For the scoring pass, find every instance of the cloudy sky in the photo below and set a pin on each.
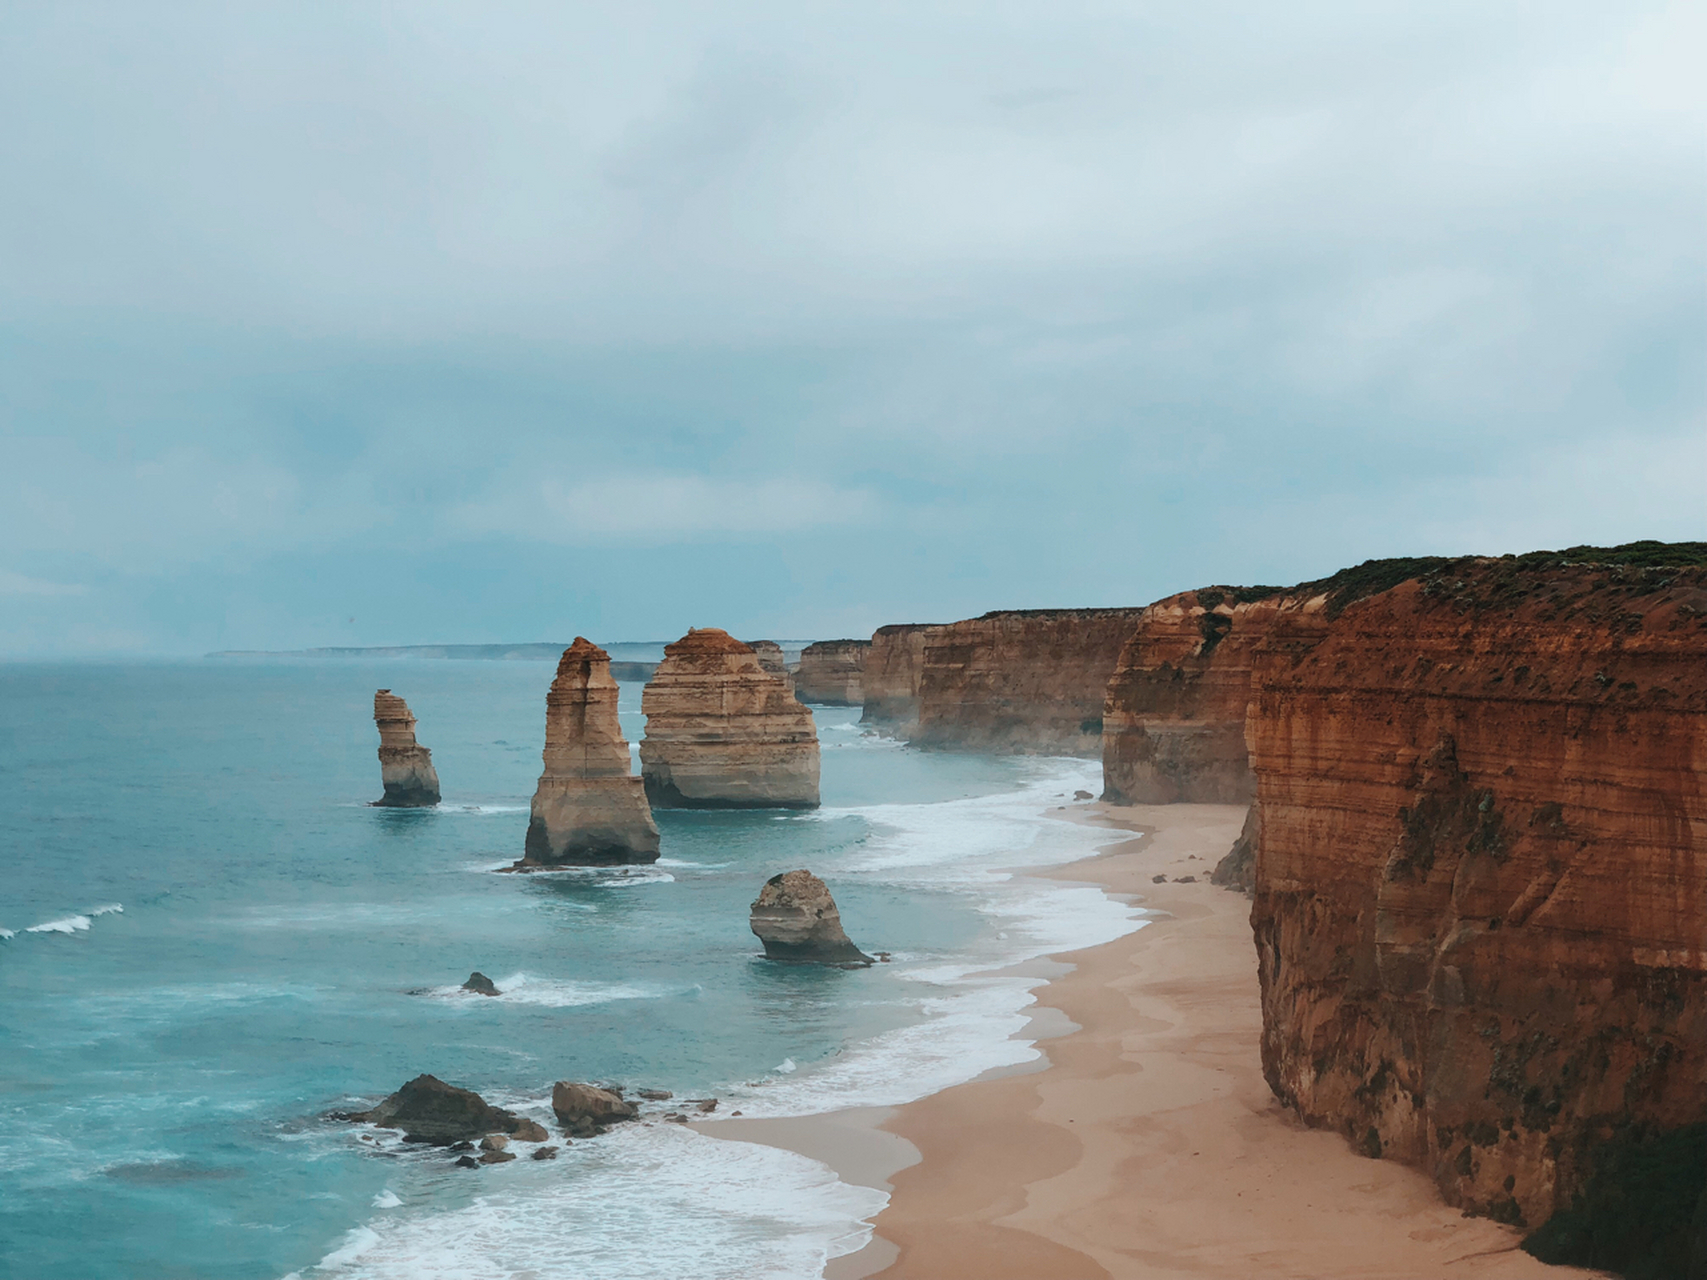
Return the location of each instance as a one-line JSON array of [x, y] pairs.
[[372, 323]]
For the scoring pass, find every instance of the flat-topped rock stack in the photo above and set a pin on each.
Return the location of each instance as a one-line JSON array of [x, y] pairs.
[[831, 673], [723, 732], [406, 767], [589, 809]]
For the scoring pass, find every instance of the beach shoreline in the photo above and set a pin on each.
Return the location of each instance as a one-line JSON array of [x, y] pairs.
[[1145, 1142]]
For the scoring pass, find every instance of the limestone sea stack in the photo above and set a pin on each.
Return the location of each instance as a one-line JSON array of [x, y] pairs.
[[589, 809], [406, 767], [770, 656], [722, 732], [797, 920], [830, 673]]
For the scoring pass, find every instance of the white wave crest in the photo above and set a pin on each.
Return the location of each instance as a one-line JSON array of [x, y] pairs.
[[551, 993], [65, 924]]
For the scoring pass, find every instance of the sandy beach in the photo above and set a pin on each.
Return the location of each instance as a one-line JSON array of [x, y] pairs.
[[1149, 1144]]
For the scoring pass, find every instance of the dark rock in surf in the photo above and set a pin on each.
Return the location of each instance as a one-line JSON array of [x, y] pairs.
[[585, 1110], [480, 984], [429, 1110], [797, 920]]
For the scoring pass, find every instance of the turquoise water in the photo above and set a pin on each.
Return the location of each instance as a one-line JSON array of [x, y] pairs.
[[215, 941]]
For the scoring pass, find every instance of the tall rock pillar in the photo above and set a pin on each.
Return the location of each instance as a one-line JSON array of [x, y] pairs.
[[406, 767], [589, 810]]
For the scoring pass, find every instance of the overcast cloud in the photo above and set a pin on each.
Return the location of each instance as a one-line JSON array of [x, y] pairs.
[[386, 323]]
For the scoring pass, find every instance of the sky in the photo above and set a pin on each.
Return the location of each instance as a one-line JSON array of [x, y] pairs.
[[372, 323]]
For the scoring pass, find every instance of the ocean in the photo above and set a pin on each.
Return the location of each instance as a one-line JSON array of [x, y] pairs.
[[209, 939]]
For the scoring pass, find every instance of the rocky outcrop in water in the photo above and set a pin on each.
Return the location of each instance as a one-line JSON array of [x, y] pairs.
[[585, 1110], [1027, 681], [831, 671], [406, 767], [797, 920], [589, 808], [1173, 719], [1481, 881], [889, 684], [722, 732], [429, 1110]]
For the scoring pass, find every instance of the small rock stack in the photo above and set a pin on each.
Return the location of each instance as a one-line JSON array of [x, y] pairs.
[[589, 808], [723, 732], [406, 767], [797, 920]]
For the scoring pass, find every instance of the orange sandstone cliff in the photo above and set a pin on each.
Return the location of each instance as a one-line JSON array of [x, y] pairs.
[[889, 683], [1481, 878], [1030, 681], [1173, 718], [589, 807], [724, 732]]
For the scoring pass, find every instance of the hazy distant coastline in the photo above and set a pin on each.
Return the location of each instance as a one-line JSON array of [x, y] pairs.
[[543, 651]]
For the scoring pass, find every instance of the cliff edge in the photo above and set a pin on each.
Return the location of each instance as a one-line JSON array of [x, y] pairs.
[[1481, 879]]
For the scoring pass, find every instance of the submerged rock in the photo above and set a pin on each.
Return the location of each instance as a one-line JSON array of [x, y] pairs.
[[406, 767], [585, 1110], [797, 920], [429, 1110], [723, 732], [589, 808], [480, 984]]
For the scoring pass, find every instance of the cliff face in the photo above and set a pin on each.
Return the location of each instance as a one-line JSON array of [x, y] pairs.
[[589, 808], [830, 672], [722, 732], [1481, 886], [894, 665], [1173, 720], [406, 767], [1028, 681]]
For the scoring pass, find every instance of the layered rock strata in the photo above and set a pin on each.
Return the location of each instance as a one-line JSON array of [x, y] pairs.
[[796, 918], [589, 809], [406, 767], [723, 732], [1173, 717], [1026, 681], [830, 673], [889, 683], [1481, 881]]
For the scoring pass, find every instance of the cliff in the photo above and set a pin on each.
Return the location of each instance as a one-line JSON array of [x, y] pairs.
[[1173, 717], [1481, 876], [589, 809], [830, 672], [1030, 681], [723, 732], [405, 766], [894, 664]]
